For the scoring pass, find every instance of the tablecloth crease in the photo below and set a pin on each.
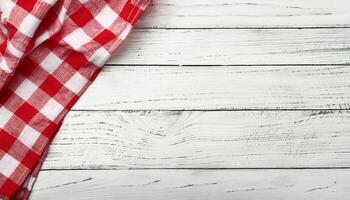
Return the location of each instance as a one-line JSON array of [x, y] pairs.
[[50, 52]]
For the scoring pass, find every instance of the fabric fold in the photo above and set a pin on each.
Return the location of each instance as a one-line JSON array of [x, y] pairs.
[[24, 26], [51, 51]]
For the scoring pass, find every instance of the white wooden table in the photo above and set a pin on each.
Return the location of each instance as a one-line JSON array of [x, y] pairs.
[[224, 99]]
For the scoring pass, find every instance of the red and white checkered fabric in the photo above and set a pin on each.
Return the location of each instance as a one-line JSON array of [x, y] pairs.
[[50, 52]]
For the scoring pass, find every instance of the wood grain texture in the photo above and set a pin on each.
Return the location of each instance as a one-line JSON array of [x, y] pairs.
[[235, 46], [199, 139], [246, 13], [214, 87], [181, 154], [193, 184]]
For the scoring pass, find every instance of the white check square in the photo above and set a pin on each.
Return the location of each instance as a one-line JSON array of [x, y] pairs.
[[8, 165], [51, 2], [6, 7], [4, 66], [52, 109], [51, 62], [29, 25], [13, 50], [5, 116], [106, 17], [83, 1], [76, 83], [44, 36], [100, 57], [28, 136], [26, 89], [77, 38]]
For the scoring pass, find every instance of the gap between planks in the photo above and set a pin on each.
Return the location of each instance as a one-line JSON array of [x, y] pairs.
[[203, 168], [228, 65], [241, 28], [212, 110]]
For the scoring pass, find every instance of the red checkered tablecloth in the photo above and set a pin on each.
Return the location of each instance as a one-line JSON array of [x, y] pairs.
[[50, 52]]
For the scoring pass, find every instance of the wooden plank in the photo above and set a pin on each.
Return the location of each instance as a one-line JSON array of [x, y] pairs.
[[193, 184], [246, 13], [235, 87], [235, 46], [199, 139]]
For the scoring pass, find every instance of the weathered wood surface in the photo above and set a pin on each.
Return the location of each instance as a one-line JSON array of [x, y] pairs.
[[270, 56], [193, 184], [199, 139], [246, 13], [235, 46], [214, 87]]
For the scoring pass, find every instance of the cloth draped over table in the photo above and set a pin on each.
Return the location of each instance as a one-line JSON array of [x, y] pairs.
[[50, 52]]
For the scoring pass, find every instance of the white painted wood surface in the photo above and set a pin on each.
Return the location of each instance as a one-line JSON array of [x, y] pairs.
[[194, 184], [199, 139], [235, 46], [215, 87], [240, 84], [246, 13]]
